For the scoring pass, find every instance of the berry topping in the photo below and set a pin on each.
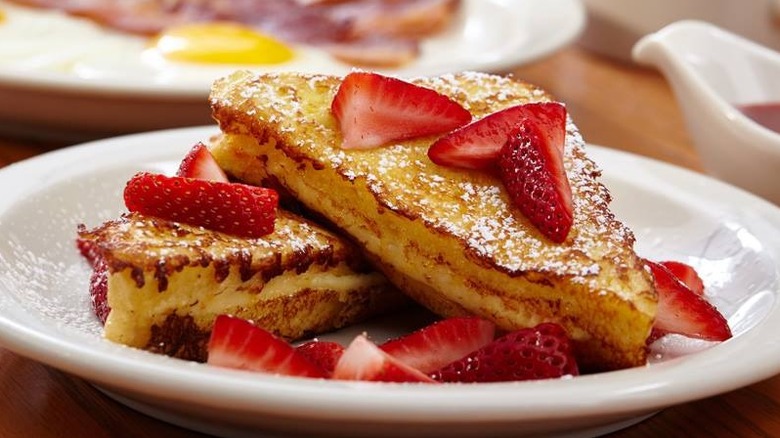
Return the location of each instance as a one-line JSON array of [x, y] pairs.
[[541, 352], [531, 167], [98, 289], [682, 311], [237, 209], [373, 110], [236, 343], [88, 249], [200, 164], [440, 343], [325, 354], [363, 360], [477, 145], [686, 274]]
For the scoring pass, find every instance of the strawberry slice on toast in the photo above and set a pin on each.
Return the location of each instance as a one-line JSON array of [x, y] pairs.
[[200, 164], [531, 167], [478, 144], [238, 209], [373, 110]]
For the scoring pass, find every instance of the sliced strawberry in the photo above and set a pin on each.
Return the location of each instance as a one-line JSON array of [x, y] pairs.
[[477, 145], [363, 360], [541, 352], [531, 168], [237, 343], [238, 209], [200, 164], [685, 273], [373, 110], [440, 343], [98, 289], [87, 248], [682, 311], [324, 354]]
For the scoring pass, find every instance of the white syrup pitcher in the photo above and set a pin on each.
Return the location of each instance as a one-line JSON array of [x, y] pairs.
[[714, 75]]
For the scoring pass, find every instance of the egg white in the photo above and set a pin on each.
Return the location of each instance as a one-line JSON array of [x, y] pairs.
[[38, 40]]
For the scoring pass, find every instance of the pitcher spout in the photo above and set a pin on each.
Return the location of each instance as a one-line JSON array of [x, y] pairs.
[[713, 74]]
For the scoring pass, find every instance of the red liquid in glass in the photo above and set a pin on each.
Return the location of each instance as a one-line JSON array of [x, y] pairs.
[[766, 114]]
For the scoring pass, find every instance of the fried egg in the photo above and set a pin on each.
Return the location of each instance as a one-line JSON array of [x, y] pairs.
[[40, 42], [220, 43]]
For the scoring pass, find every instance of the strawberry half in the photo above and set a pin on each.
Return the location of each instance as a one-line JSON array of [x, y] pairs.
[[440, 343], [200, 164], [541, 352], [682, 311], [237, 343], [363, 360], [324, 354], [372, 110], [232, 208], [531, 168], [686, 274], [477, 145]]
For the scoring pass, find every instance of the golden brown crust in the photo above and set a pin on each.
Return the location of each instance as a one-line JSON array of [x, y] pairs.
[[168, 281], [449, 237], [148, 244]]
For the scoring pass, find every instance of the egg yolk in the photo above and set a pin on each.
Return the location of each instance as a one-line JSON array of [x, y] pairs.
[[220, 43], [2, 16]]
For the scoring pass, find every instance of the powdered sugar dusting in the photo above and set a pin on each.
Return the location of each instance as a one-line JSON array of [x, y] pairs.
[[473, 206]]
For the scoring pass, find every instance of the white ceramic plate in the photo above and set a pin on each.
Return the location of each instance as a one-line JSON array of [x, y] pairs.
[[71, 74], [733, 238]]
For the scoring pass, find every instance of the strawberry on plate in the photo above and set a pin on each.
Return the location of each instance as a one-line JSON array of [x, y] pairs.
[[682, 311], [237, 343], [685, 273], [440, 343], [541, 352], [232, 208], [325, 354], [372, 110], [478, 144], [200, 164], [531, 168], [363, 360]]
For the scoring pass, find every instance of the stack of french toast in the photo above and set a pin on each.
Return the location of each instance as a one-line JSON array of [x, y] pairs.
[[383, 220]]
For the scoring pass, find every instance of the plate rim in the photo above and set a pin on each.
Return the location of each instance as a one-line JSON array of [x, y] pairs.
[[154, 376]]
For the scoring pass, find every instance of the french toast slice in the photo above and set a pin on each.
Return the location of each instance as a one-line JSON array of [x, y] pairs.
[[167, 281], [449, 238]]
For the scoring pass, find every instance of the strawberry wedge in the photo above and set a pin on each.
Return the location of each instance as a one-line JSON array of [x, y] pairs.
[[200, 164], [531, 168], [325, 354], [237, 343], [477, 145], [238, 209], [541, 352], [682, 311], [372, 110], [686, 274], [363, 360], [440, 343]]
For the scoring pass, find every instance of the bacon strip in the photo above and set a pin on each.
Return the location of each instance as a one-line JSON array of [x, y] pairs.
[[365, 32]]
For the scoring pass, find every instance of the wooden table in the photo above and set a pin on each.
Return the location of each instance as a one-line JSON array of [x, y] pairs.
[[615, 105]]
